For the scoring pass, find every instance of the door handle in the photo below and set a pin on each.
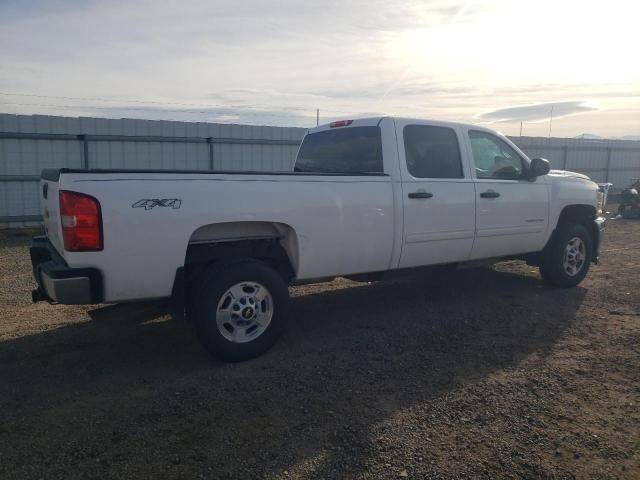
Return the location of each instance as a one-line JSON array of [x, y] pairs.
[[490, 194], [420, 195]]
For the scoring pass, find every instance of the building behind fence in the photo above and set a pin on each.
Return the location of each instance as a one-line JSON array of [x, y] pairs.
[[30, 143]]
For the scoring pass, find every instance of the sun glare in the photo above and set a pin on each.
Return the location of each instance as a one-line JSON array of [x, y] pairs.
[[502, 43]]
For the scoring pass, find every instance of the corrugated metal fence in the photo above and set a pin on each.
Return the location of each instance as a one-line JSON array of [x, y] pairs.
[[30, 143], [614, 161]]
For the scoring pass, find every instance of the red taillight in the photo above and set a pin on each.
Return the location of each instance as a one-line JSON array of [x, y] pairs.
[[340, 123], [81, 222]]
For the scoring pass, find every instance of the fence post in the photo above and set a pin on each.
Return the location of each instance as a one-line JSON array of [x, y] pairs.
[[606, 175], [85, 150], [210, 142]]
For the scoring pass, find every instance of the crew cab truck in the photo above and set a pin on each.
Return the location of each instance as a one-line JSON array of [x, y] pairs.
[[366, 196]]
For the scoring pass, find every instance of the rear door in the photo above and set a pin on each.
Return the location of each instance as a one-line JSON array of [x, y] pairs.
[[438, 194], [512, 211]]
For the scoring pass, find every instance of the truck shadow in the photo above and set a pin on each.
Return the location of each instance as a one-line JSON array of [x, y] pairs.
[[354, 354]]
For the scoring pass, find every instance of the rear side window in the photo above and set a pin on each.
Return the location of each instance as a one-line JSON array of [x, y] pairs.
[[353, 150], [432, 152]]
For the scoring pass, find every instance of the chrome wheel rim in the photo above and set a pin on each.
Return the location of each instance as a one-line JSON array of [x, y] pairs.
[[244, 312], [575, 256]]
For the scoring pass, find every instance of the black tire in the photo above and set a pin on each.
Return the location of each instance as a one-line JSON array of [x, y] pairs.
[[552, 267], [207, 292]]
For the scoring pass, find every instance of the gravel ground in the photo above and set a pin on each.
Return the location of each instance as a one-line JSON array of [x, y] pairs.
[[487, 374]]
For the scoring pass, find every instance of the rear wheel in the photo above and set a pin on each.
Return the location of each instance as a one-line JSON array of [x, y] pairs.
[[568, 261], [239, 309]]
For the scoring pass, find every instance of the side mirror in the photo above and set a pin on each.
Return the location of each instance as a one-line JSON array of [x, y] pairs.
[[538, 167]]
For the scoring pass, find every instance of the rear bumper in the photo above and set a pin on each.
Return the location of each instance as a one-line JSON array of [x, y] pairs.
[[600, 223], [57, 282]]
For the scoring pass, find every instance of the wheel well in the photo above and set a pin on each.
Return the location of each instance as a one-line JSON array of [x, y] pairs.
[[267, 250], [271, 242], [200, 256], [583, 215]]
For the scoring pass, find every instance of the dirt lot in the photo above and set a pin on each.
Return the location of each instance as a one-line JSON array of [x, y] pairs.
[[487, 374]]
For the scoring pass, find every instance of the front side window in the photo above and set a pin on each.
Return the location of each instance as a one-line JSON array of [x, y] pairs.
[[352, 150], [432, 152], [493, 157]]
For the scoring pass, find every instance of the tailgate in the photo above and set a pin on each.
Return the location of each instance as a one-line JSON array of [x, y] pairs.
[[49, 186]]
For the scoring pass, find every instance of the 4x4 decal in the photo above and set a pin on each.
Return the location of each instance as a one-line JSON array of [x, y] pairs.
[[149, 203]]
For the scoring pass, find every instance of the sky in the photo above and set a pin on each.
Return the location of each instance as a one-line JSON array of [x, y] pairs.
[[499, 63]]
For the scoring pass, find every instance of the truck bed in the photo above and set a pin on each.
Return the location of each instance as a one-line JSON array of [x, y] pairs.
[[151, 217]]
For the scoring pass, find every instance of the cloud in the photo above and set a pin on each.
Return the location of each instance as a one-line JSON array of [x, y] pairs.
[[276, 62], [533, 113], [237, 114]]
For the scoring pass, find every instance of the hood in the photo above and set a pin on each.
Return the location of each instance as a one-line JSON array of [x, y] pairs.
[[566, 173]]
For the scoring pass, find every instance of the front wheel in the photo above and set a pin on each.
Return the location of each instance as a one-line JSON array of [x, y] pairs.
[[239, 309], [568, 261]]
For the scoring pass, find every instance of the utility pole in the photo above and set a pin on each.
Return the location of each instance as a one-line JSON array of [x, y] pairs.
[[520, 128], [550, 121], [317, 117]]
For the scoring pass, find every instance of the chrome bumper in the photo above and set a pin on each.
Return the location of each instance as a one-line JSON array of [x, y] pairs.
[[601, 223]]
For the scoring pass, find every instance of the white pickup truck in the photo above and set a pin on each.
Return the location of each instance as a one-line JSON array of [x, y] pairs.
[[366, 196]]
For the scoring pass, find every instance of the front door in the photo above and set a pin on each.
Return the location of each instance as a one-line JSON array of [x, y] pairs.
[[512, 211], [438, 192]]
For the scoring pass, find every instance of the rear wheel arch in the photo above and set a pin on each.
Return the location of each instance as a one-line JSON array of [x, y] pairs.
[[268, 251], [272, 242]]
